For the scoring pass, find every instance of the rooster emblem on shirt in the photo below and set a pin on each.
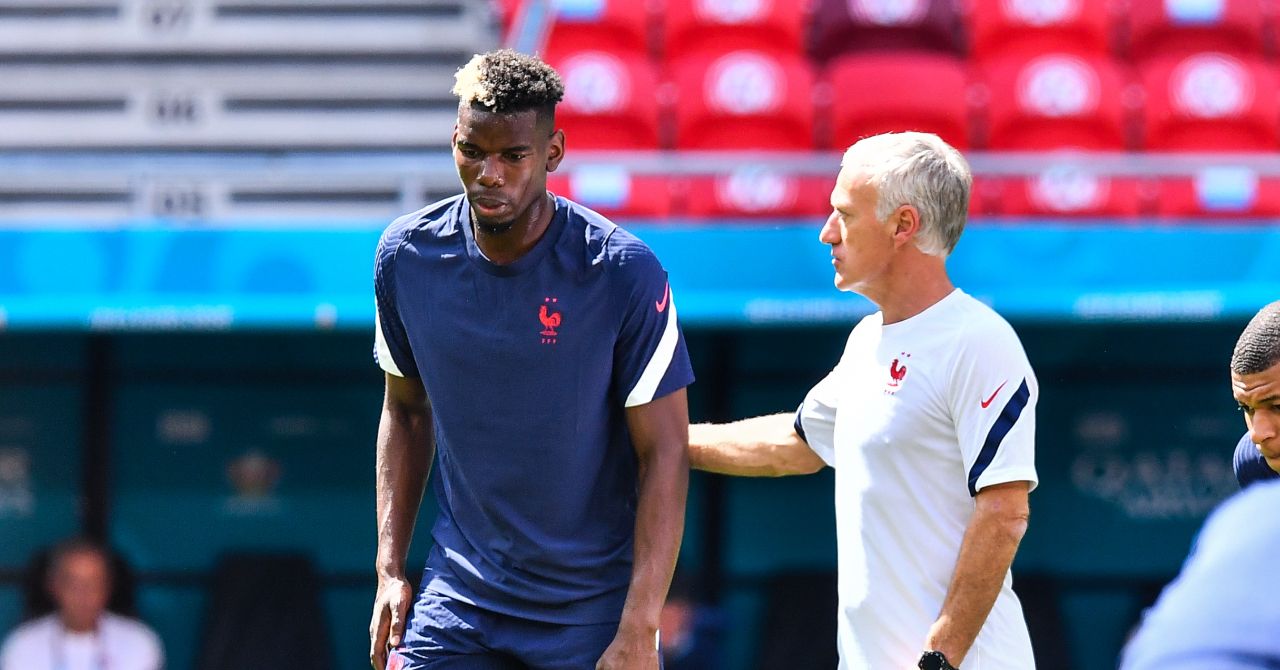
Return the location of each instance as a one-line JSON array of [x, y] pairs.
[[897, 371], [550, 321]]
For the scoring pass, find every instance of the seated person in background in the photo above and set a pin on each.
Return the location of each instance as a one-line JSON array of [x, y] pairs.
[[81, 634], [690, 637], [1255, 382]]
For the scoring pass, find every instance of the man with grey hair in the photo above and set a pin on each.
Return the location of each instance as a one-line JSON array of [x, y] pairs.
[[1255, 382], [928, 418]]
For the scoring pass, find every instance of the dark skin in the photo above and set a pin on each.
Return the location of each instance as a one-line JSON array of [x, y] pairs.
[[503, 161]]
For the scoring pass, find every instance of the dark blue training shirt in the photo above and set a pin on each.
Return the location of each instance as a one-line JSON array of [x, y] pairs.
[[529, 367], [1249, 464]]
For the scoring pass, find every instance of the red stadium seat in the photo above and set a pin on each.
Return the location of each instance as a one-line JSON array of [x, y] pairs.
[[1067, 191], [1210, 102], [613, 192], [608, 101], [698, 26], [744, 100], [758, 192], [1056, 101], [841, 26], [1171, 28], [620, 26], [1000, 28], [1220, 193], [877, 93]]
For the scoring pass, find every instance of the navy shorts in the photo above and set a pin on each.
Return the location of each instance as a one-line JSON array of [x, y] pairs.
[[446, 634]]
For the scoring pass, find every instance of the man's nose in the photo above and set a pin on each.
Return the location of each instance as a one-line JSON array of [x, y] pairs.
[[829, 234], [490, 173], [1264, 425]]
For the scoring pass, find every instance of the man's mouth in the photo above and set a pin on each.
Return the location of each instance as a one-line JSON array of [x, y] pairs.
[[488, 206]]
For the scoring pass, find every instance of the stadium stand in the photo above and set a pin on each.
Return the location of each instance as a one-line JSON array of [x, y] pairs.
[[1069, 191], [609, 101], [1210, 102], [840, 26], [425, 31], [1001, 28], [878, 92], [620, 26], [697, 26], [1056, 101], [613, 192], [756, 191], [744, 100], [1166, 29], [223, 107], [1235, 193]]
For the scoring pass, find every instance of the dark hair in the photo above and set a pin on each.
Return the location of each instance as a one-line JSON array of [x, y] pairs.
[[1259, 345], [507, 81]]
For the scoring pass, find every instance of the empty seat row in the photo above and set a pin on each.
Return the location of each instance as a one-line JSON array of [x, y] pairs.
[[755, 100], [420, 30], [758, 192], [1140, 30], [278, 107]]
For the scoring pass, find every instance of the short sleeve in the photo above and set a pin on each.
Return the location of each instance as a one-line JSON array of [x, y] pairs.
[[651, 359], [816, 418], [391, 343], [1249, 465], [993, 401]]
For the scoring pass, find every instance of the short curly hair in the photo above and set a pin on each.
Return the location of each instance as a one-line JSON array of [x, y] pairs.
[[506, 81], [1258, 348]]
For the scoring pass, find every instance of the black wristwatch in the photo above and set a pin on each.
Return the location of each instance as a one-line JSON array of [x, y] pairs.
[[934, 660]]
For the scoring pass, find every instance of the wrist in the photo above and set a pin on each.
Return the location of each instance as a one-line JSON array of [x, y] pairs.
[[935, 660], [637, 627]]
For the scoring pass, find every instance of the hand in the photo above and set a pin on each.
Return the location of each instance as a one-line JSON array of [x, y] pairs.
[[386, 628], [631, 649]]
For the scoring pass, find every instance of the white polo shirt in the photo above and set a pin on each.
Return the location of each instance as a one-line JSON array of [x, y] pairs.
[[916, 417], [119, 643]]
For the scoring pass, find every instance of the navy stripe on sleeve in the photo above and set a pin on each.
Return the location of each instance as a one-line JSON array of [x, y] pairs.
[[1004, 423], [800, 424]]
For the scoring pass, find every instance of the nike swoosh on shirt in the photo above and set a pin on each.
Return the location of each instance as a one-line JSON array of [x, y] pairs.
[[662, 304], [987, 403]]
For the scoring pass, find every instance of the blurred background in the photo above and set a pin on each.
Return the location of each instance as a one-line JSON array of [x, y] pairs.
[[191, 192]]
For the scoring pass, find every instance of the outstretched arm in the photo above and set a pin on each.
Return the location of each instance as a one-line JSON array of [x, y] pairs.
[[764, 446], [660, 434], [405, 449]]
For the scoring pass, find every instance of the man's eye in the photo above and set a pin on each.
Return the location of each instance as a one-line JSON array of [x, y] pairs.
[[517, 157], [1244, 408], [469, 153]]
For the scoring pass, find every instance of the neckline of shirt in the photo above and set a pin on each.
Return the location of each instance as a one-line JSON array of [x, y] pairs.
[[923, 315], [525, 262]]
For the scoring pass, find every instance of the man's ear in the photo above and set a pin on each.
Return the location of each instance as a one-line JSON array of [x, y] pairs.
[[555, 150], [906, 222]]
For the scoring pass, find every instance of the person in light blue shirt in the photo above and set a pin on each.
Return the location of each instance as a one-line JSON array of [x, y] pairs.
[[1223, 610]]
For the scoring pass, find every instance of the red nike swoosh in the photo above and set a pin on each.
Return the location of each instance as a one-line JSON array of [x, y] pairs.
[[662, 304], [987, 402]]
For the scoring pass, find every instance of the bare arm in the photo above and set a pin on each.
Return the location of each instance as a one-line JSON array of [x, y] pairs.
[[405, 449], [660, 434], [999, 521], [764, 446]]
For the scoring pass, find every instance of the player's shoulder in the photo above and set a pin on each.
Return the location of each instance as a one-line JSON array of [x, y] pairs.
[[609, 245], [29, 633], [435, 219], [979, 325]]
